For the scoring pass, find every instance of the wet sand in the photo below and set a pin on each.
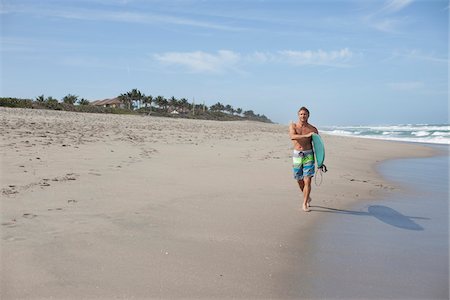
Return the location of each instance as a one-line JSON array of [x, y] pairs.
[[106, 206], [392, 248]]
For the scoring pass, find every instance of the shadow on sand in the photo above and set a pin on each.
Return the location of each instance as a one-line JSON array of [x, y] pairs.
[[383, 213]]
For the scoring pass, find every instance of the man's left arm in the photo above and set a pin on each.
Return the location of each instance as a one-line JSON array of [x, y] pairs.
[[315, 130]]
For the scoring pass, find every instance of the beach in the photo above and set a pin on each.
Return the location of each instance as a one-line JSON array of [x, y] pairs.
[[382, 249], [98, 206]]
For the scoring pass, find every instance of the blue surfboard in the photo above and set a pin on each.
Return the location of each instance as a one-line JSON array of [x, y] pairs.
[[319, 149]]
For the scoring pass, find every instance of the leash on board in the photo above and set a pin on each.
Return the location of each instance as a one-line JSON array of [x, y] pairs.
[[320, 171]]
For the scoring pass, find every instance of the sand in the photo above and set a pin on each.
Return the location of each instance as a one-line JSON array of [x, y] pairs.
[[113, 206], [390, 248]]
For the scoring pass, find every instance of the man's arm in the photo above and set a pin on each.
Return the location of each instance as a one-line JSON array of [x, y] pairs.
[[315, 130], [293, 133]]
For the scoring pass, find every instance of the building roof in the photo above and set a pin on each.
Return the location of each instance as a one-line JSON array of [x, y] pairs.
[[107, 101]]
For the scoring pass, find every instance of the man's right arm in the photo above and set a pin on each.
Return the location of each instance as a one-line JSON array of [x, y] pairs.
[[293, 133]]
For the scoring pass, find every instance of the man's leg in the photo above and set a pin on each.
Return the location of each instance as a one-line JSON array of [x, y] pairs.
[[301, 184], [306, 192]]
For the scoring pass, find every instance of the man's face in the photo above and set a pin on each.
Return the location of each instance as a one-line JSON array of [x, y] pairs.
[[303, 116]]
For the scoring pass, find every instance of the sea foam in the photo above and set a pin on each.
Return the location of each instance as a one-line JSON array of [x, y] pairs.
[[421, 133]]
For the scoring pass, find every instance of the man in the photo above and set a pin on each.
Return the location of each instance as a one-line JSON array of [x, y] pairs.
[[303, 156]]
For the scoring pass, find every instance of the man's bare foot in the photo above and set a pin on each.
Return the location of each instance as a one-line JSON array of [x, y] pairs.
[[306, 208]]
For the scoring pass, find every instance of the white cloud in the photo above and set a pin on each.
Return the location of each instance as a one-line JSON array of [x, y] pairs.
[[225, 60], [406, 86], [418, 55], [386, 25], [199, 61], [337, 58], [260, 57], [393, 6], [383, 19], [114, 16]]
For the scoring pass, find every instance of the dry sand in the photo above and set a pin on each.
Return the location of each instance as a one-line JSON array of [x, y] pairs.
[[114, 206]]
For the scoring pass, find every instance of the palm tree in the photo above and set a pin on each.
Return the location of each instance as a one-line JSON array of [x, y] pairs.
[[52, 103], [83, 101], [161, 102], [70, 99], [40, 98], [136, 95], [173, 103], [184, 104], [217, 107], [125, 100], [51, 100], [229, 108], [249, 113], [214, 107], [129, 97], [148, 100]]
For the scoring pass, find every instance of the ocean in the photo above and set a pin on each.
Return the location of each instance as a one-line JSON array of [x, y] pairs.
[[421, 133]]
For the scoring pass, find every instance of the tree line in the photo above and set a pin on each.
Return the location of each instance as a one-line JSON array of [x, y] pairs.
[[135, 101], [182, 105]]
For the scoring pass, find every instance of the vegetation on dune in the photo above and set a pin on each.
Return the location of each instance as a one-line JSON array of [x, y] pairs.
[[53, 104], [135, 102]]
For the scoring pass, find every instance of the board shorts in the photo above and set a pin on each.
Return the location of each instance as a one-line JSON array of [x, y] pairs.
[[303, 164]]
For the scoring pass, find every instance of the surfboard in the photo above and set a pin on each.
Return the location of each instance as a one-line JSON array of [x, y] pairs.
[[319, 149]]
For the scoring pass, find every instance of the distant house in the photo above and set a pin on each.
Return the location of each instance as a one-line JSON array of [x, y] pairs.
[[114, 102]]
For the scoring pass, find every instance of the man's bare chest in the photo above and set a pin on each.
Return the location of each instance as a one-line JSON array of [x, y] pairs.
[[302, 129]]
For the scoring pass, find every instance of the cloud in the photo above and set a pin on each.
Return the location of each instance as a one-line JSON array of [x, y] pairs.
[[226, 60], [383, 19], [386, 25], [200, 62], [406, 86], [115, 16], [418, 55], [393, 6], [337, 58]]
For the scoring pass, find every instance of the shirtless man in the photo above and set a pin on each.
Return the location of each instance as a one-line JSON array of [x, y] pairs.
[[303, 156]]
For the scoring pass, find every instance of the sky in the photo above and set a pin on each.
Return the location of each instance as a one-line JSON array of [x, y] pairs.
[[350, 62]]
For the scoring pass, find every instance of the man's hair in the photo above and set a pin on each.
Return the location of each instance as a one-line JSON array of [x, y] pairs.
[[303, 108]]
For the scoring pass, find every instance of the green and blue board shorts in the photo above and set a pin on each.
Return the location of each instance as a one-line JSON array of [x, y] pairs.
[[303, 164]]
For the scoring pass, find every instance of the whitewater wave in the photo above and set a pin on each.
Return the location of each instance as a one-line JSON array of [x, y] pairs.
[[420, 133]]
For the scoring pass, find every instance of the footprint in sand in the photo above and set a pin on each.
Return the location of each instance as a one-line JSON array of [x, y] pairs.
[[44, 182], [10, 224], [58, 208], [10, 190], [14, 238], [29, 216]]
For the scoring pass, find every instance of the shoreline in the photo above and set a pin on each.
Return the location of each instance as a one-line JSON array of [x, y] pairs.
[[92, 205], [389, 245]]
